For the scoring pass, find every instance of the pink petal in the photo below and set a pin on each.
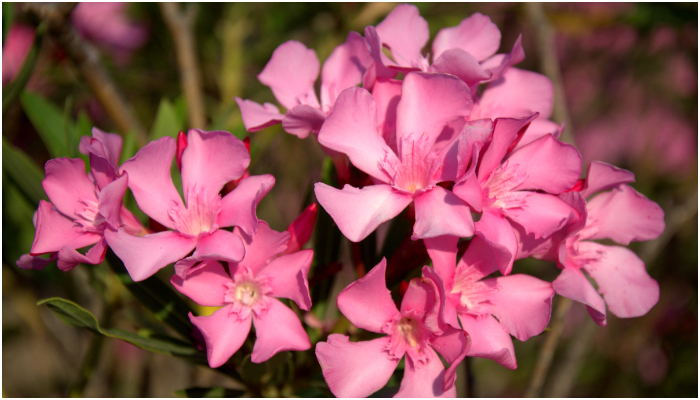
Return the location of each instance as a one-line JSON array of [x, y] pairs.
[[102, 171], [518, 93], [424, 380], [279, 329], [223, 333], [550, 165], [206, 285], [238, 207], [257, 117], [288, 276], [467, 188], [355, 112], [260, 248], [35, 262], [344, 68], [358, 212], [476, 35], [111, 145], [462, 148], [378, 69], [498, 234], [150, 182], [624, 215], [429, 101], [481, 259], [489, 339], [303, 119], [143, 256], [220, 245], [440, 212], [355, 369], [54, 231], [301, 228], [387, 93], [405, 32], [443, 252], [500, 63], [367, 302], [573, 284], [505, 131], [538, 128], [461, 64], [542, 214], [602, 176], [623, 280], [522, 304], [66, 184], [453, 345], [69, 258], [111, 201], [210, 160], [291, 73]]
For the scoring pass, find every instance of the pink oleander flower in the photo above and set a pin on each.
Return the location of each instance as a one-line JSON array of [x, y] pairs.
[[247, 294], [82, 206], [107, 25], [405, 170], [514, 188], [622, 215], [291, 73], [209, 161], [17, 44], [490, 309], [418, 330]]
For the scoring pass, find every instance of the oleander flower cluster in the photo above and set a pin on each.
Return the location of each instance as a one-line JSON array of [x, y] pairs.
[[460, 137]]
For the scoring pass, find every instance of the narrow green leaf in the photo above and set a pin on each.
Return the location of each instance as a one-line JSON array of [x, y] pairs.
[[8, 14], [71, 137], [129, 147], [167, 122], [211, 392], [23, 172], [83, 127], [47, 119], [15, 88]]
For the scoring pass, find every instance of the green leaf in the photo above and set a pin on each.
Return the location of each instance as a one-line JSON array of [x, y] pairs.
[[15, 88], [78, 317], [48, 121], [8, 14], [167, 122], [23, 172], [210, 392], [155, 295], [129, 147]]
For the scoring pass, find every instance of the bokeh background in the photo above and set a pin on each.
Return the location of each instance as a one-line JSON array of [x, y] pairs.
[[629, 78]]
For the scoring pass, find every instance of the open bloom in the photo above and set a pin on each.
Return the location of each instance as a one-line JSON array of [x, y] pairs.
[[404, 171], [418, 330], [82, 206], [490, 309], [210, 160], [247, 294]]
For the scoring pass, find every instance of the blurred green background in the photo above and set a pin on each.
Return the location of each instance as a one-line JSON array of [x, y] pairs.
[[629, 74]]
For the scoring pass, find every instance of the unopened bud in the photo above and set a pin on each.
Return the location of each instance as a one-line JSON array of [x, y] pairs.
[[301, 228], [181, 144]]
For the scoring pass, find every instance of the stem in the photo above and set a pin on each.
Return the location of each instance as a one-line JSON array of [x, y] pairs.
[[567, 372], [180, 25], [544, 360]]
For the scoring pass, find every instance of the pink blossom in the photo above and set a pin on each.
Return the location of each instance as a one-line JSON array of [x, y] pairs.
[[210, 160], [404, 171], [17, 44], [490, 309], [82, 206], [107, 25], [247, 294], [518, 187], [418, 330], [301, 228]]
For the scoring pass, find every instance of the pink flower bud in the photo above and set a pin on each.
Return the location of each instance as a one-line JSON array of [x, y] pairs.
[[301, 228], [181, 144]]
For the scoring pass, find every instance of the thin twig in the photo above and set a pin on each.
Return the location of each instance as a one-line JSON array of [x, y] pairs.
[[180, 25], [566, 373], [544, 360], [549, 65], [87, 59]]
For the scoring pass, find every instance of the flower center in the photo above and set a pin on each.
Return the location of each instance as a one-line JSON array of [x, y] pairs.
[[89, 219], [247, 294], [473, 295], [418, 164], [408, 335], [498, 189], [199, 216]]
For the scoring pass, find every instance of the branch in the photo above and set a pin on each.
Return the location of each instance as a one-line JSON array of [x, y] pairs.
[[87, 59], [180, 25]]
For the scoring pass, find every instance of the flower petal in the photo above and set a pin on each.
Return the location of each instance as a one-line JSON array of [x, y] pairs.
[[67, 185], [453, 345], [210, 160], [517, 94], [387, 93], [111, 145], [69, 258], [223, 333], [27, 261], [256, 116], [291, 74], [238, 208], [440, 212], [288, 276], [220, 245], [261, 247], [523, 304], [54, 231], [279, 329], [498, 234], [206, 285], [461, 64], [443, 252], [367, 302], [476, 35], [344, 68], [355, 369], [602, 176], [405, 32], [573, 284], [302, 119], [425, 380], [143, 256], [111, 200], [505, 131], [150, 182], [542, 214], [489, 339], [550, 165], [358, 212]]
